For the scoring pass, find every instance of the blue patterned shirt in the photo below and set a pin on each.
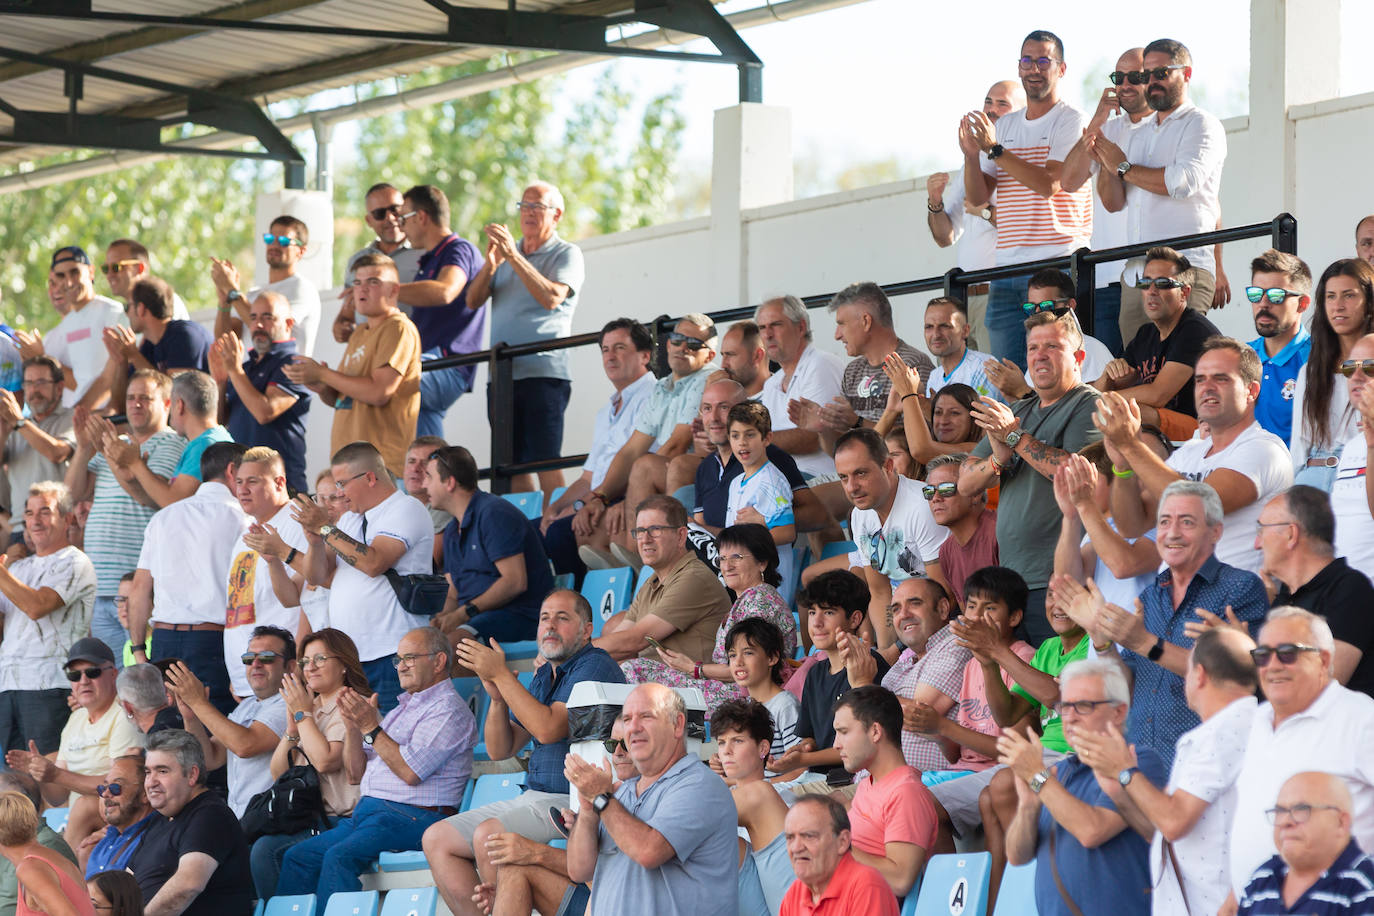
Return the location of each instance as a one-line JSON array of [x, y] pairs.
[[1159, 713], [553, 684], [1344, 889]]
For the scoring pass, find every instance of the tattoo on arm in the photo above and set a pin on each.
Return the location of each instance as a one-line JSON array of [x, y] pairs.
[[358, 547], [1039, 452]]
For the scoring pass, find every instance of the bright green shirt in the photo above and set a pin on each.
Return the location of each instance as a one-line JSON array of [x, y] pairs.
[[1051, 659]]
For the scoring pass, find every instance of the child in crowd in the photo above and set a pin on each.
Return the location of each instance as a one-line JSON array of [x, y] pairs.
[[761, 495], [835, 604], [754, 649], [121, 602]]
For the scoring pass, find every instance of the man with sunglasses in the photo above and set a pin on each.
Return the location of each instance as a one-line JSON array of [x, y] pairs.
[[1166, 176], [1051, 291], [972, 526], [1352, 495], [1021, 159], [382, 211], [286, 239], [1280, 291], [1308, 722], [127, 815], [127, 261], [1157, 368]]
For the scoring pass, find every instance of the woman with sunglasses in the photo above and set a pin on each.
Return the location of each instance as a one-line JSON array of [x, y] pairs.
[[49, 882], [1323, 419], [314, 724], [749, 567], [115, 893]]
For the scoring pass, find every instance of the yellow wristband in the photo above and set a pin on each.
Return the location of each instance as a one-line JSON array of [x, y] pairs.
[[1117, 472]]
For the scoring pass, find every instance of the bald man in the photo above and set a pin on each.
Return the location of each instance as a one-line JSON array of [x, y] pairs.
[[974, 228], [1319, 868]]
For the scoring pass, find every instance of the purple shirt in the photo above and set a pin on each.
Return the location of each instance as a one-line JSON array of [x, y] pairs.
[[436, 732], [452, 328]]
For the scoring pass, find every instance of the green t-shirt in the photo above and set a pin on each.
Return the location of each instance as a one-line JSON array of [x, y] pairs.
[[1050, 658]]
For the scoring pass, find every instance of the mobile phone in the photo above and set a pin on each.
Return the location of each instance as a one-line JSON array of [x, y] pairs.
[[653, 642], [559, 824]]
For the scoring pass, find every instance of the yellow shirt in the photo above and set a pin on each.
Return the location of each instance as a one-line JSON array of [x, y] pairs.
[[87, 747]]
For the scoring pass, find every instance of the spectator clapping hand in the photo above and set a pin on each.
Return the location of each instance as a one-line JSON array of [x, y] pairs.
[[487, 662], [1108, 754], [905, 380], [296, 697], [10, 411], [981, 636], [1195, 628], [994, 417], [30, 343], [358, 711], [500, 243], [857, 660], [1118, 419], [1023, 755], [309, 514], [304, 371], [266, 540], [224, 275], [919, 717], [1107, 153], [32, 762], [120, 343], [1007, 377], [1083, 602], [590, 781], [186, 687], [981, 130]]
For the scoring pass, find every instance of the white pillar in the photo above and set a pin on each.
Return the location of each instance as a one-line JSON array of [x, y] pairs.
[[751, 166], [316, 210]]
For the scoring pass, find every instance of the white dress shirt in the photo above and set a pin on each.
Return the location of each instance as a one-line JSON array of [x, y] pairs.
[[613, 427], [818, 377], [186, 548]]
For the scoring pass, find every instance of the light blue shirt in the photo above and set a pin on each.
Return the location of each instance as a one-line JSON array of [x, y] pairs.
[[517, 317], [190, 458]]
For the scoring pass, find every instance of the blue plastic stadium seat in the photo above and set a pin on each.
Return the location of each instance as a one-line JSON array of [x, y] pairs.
[[299, 905], [260, 908], [353, 903], [835, 548], [644, 573], [1016, 893], [609, 592], [557, 494], [955, 883], [495, 787], [532, 504], [411, 901], [56, 818], [408, 860]]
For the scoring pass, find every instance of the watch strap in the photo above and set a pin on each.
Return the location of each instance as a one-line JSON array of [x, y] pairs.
[[996, 150], [372, 735], [1157, 650]]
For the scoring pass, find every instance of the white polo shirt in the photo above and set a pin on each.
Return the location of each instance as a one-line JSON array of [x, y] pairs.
[[819, 377], [186, 548], [252, 602], [365, 607], [613, 428], [1334, 735]]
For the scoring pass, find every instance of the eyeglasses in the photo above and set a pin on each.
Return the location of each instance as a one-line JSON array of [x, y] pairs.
[[1159, 283], [381, 213], [683, 340], [1158, 73], [1039, 63], [91, 674], [315, 661], [1260, 526], [117, 266], [1300, 813], [733, 558], [1134, 77], [408, 660], [528, 205], [405, 216], [652, 531], [1275, 294], [1366, 366], [1082, 707], [943, 490], [284, 241], [343, 483], [36, 382], [614, 744], [266, 658], [1287, 653], [1049, 305], [121, 600], [113, 790]]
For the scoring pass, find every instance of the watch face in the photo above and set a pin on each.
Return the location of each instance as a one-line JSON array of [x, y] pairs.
[[300, 714], [1124, 777]]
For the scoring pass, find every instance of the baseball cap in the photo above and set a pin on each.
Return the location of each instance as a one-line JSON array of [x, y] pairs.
[[70, 253], [89, 649]]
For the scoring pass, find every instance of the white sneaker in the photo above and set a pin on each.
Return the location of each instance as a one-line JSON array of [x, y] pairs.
[[596, 559], [626, 557]]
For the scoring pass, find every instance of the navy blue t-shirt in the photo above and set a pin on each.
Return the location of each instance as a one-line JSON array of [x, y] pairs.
[[492, 530], [184, 345], [713, 483], [286, 433], [553, 684], [452, 328]]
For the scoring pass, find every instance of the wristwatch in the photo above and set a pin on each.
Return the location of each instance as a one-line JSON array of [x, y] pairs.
[[934, 209], [601, 801], [996, 150], [471, 610], [326, 530], [1012, 438], [21, 423], [372, 735], [1037, 782], [298, 715], [986, 213], [1122, 169], [1125, 776], [233, 295], [1156, 651]]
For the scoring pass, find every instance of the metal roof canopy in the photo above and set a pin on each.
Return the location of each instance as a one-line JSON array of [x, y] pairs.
[[126, 110]]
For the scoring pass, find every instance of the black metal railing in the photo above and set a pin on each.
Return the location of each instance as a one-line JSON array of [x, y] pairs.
[[1282, 231]]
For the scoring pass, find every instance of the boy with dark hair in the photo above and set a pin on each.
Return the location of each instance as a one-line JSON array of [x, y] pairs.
[[761, 495], [835, 603]]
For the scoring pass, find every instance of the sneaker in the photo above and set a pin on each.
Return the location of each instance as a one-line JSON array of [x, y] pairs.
[[596, 559], [626, 557]]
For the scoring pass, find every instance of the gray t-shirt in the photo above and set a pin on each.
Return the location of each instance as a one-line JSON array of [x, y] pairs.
[[1028, 518], [700, 879], [250, 775], [516, 317], [27, 466]]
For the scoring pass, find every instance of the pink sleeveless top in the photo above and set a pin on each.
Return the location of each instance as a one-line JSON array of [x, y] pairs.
[[73, 890]]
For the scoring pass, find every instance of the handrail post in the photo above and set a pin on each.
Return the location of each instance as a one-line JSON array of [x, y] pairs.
[[1285, 233], [1085, 291], [956, 287], [501, 370]]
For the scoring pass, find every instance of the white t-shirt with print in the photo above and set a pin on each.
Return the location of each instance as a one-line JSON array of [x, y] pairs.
[[1350, 503], [819, 377], [768, 491], [78, 342], [901, 547], [34, 652], [1263, 458], [252, 602]]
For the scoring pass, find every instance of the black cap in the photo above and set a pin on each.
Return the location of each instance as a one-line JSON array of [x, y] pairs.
[[89, 649], [70, 253]]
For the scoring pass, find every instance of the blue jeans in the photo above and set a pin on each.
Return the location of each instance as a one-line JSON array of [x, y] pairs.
[[266, 858], [331, 862], [203, 653], [382, 678], [1107, 317], [105, 627], [1007, 320], [438, 390]]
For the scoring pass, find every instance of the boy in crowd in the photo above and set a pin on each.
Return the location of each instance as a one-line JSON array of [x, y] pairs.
[[835, 604], [754, 651], [743, 731], [762, 494]]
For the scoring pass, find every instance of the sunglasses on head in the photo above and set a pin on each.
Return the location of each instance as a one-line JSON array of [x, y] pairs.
[[266, 658], [683, 340], [381, 213], [944, 490], [91, 674], [1366, 366], [1159, 283], [1287, 653], [1049, 305], [284, 241], [113, 790], [1275, 294], [614, 744], [1134, 77]]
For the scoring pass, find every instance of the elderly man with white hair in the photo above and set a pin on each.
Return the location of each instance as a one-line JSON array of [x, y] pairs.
[[1309, 722], [1065, 820]]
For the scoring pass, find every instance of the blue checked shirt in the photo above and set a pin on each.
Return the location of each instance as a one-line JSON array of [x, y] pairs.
[[1159, 713], [1344, 889], [553, 684]]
